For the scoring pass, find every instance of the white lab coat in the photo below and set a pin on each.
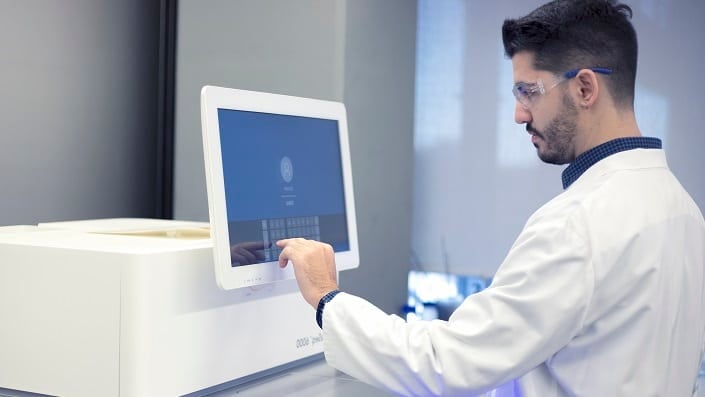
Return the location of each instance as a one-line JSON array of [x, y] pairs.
[[602, 294]]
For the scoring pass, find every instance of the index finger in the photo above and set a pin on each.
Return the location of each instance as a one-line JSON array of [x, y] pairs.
[[283, 256], [288, 249], [287, 241]]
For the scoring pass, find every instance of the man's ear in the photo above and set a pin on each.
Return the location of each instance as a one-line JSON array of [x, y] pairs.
[[588, 88]]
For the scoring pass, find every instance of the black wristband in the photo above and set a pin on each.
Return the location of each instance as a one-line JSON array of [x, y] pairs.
[[322, 303]]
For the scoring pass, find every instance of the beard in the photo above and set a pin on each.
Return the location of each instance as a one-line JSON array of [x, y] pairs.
[[559, 135]]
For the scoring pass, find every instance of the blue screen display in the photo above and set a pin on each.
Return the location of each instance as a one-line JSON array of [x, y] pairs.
[[283, 178]]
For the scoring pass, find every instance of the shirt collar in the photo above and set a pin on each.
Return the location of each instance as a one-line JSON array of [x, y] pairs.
[[587, 159]]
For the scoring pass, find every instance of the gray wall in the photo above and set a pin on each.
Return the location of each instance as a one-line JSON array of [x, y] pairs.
[[380, 54], [278, 46], [78, 109], [360, 52]]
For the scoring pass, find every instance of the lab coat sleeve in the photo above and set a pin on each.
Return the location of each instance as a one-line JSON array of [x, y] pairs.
[[535, 305]]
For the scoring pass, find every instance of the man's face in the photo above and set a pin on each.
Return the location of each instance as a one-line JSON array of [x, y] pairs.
[[550, 116]]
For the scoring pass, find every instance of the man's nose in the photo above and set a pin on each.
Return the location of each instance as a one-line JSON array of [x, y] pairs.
[[521, 114]]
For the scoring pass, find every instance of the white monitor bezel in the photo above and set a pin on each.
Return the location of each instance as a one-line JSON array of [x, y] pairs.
[[214, 98]]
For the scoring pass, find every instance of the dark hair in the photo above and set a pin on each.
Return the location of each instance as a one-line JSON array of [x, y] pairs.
[[568, 34]]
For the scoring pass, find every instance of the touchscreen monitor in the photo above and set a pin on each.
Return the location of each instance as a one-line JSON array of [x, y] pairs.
[[276, 167]]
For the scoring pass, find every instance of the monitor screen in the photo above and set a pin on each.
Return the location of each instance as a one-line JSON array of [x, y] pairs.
[[276, 167], [283, 178]]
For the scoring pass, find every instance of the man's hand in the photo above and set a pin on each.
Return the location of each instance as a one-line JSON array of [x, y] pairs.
[[314, 267]]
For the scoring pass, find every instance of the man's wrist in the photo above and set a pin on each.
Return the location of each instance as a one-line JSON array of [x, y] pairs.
[[321, 305]]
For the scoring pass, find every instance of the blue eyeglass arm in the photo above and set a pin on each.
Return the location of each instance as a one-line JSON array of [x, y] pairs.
[[572, 73]]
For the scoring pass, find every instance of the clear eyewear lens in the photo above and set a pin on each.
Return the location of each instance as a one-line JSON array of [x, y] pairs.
[[526, 93]]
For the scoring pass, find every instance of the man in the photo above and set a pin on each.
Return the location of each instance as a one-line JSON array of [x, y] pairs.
[[603, 292]]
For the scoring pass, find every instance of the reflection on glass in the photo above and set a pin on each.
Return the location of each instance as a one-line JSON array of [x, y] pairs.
[[247, 253]]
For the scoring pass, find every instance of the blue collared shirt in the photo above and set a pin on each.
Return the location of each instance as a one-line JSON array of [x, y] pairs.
[[599, 152]]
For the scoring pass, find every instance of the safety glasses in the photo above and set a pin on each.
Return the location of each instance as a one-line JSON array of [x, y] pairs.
[[527, 93]]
